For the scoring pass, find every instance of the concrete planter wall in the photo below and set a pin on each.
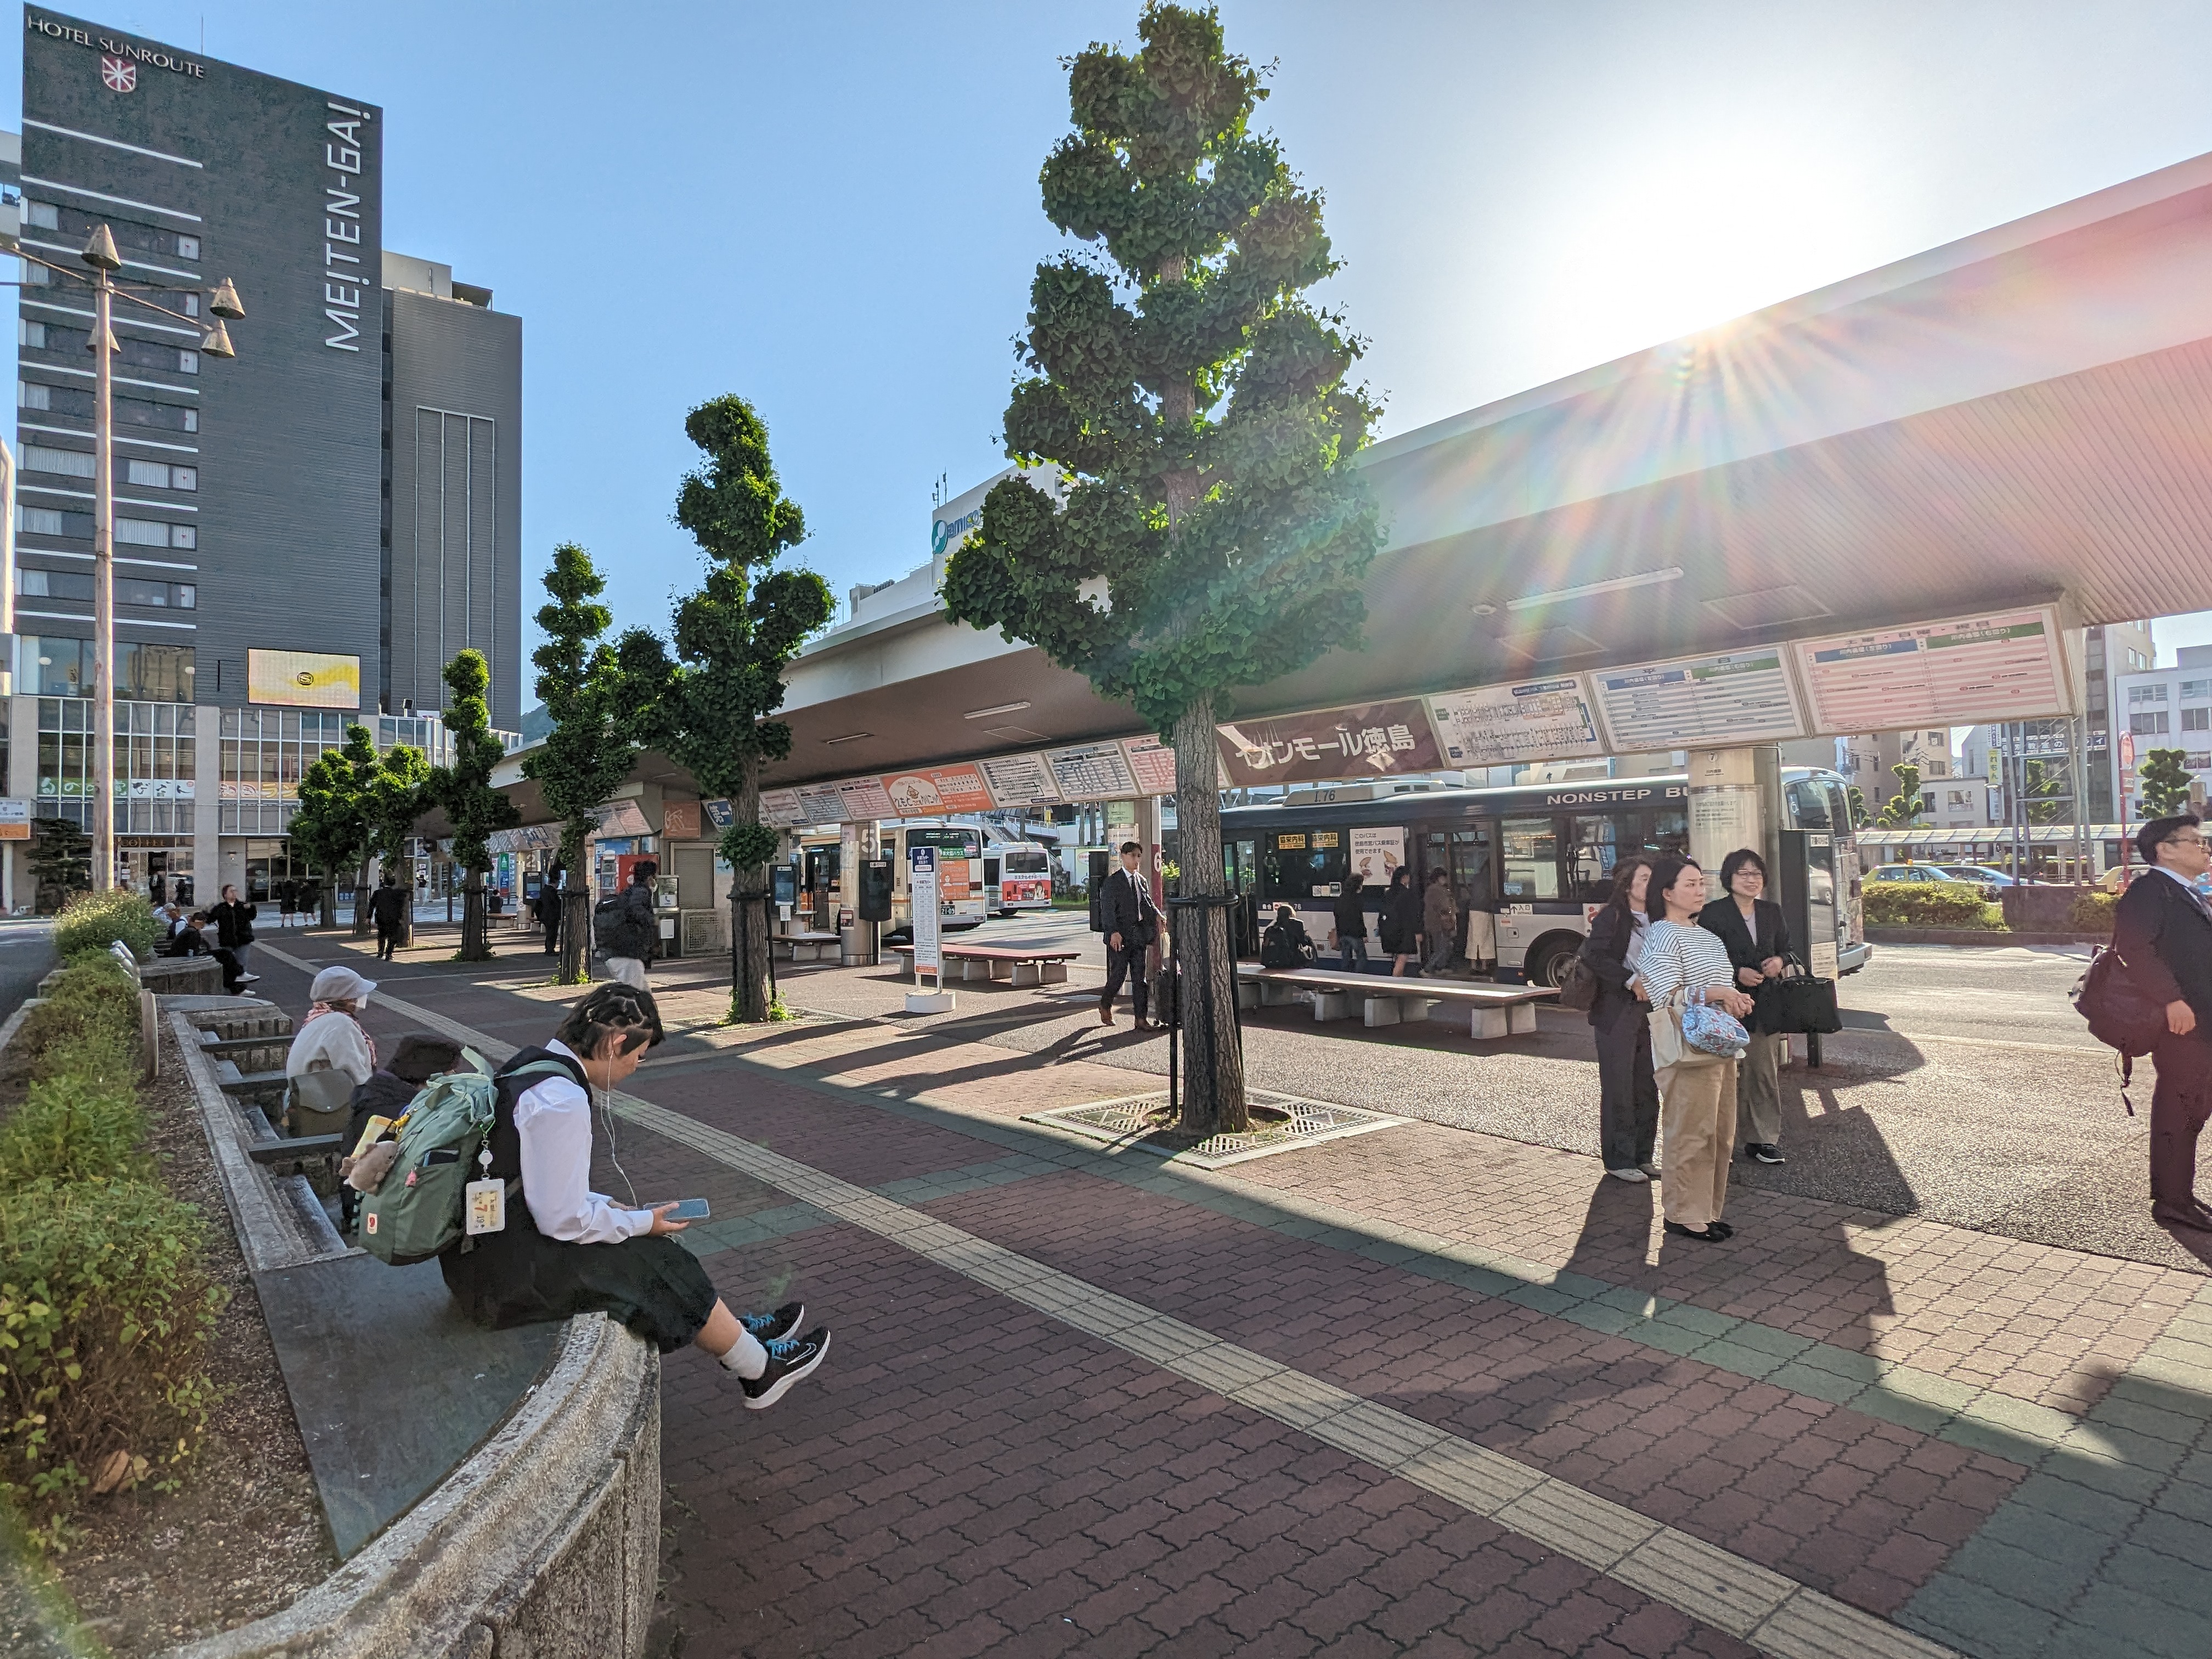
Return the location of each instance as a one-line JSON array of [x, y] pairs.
[[545, 1545]]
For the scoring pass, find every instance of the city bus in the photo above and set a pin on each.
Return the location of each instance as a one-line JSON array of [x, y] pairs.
[[1016, 877], [1531, 865]]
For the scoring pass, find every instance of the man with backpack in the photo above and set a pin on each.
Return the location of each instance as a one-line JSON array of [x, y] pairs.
[[626, 927], [2162, 930]]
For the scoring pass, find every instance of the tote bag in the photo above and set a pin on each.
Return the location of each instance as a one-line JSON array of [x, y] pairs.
[[1685, 1022]]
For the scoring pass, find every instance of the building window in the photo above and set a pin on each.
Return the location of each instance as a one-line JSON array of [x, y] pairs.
[[2148, 726], [155, 755], [39, 521], [188, 362], [2197, 720], [2140, 695], [188, 247], [52, 666], [28, 333], [166, 596], [41, 215], [30, 394], [149, 532], [159, 475], [191, 306], [54, 585], [76, 463], [2191, 690], [2197, 762]]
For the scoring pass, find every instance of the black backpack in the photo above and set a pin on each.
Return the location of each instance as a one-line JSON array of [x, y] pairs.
[[2121, 1014], [1279, 947]]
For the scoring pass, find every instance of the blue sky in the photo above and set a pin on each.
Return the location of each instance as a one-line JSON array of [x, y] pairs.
[[832, 208]]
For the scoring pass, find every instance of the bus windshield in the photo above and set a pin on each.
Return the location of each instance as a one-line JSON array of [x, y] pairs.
[[951, 841]]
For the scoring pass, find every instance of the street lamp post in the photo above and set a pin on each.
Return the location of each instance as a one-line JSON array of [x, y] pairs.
[[99, 254]]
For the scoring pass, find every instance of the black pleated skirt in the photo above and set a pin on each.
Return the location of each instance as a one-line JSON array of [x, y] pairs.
[[520, 1277]]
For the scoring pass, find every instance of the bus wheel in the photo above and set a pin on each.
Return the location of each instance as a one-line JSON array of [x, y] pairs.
[[1548, 959]]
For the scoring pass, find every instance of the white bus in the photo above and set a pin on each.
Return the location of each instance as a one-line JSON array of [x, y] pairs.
[[1016, 877], [1531, 865]]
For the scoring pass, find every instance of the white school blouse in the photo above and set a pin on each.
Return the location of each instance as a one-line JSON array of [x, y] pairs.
[[553, 1120]]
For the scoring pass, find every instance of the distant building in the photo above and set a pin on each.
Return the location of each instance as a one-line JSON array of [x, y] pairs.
[[2167, 708]]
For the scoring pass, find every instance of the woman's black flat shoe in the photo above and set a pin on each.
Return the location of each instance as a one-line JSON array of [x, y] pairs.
[[1721, 1227], [1708, 1236]]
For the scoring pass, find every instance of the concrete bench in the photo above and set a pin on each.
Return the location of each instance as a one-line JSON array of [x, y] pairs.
[[1493, 1010], [807, 946], [1017, 966]]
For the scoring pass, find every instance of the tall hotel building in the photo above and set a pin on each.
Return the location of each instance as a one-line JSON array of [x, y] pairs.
[[305, 533]]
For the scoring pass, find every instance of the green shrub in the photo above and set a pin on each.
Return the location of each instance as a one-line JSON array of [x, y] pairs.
[[89, 1014], [2091, 911], [105, 1318], [78, 1125], [1929, 904], [95, 920]]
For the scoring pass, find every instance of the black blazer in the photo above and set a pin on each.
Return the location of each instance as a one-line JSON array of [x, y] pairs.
[[1129, 909], [1606, 951], [1723, 920], [2166, 938]]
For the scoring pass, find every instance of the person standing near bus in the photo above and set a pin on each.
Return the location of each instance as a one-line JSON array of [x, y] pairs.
[[1132, 923], [1401, 921], [1440, 921], [1348, 926], [2162, 930], [1697, 1097], [1628, 1093], [1757, 936]]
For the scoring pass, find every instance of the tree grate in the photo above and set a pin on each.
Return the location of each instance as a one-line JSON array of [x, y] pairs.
[[1281, 1123]]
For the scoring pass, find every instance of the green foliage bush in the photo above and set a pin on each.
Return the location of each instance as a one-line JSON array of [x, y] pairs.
[[2092, 912], [1929, 904], [105, 1318], [95, 920], [88, 1018], [75, 1126]]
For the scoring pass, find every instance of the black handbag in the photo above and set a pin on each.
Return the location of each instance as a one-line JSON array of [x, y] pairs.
[[1797, 1003]]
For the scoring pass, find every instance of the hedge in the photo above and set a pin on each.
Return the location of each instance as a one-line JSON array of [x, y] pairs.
[[104, 1316], [104, 1305], [2092, 912], [92, 921], [1929, 904]]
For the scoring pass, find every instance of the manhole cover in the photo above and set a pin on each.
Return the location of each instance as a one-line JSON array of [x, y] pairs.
[[1281, 1123]]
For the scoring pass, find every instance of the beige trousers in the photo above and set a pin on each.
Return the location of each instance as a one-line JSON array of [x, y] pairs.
[[1696, 1126]]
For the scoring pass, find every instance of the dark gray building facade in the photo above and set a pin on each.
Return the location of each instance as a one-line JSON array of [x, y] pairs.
[[305, 532]]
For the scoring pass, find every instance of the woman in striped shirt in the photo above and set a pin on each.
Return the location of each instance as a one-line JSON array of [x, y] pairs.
[[1697, 1097]]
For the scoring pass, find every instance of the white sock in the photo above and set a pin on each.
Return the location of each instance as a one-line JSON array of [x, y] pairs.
[[745, 1356]]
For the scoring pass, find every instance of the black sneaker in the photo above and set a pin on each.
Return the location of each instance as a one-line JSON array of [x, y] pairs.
[[787, 1361], [774, 1327], [1761, 1151]]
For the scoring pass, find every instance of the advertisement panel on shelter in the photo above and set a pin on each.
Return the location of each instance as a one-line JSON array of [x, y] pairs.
[[1375, 739], [1151, 763], [820, 803], [929, 790], [2001, 666], [779, 810], [864, 798], [303, 679], [1506, 724]]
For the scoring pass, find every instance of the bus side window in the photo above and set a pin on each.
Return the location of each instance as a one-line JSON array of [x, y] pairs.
[[1670, 833], [1529, 851]]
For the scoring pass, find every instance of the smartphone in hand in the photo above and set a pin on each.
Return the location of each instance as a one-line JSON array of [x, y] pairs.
[[691, 1209]]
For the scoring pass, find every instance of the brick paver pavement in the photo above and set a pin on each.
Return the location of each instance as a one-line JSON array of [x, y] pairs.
[[1083, 1402]]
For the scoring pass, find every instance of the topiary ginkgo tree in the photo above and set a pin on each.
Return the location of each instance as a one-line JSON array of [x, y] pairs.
[[1211, 535]]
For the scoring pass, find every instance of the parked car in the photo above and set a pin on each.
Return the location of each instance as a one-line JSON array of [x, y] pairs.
[[1911, 872], [1993, 882]]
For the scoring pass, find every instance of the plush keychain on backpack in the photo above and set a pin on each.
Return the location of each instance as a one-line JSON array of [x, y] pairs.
[[368, 1168]]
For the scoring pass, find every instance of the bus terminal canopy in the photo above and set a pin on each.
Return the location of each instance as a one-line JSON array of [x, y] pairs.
[[2016, 424]]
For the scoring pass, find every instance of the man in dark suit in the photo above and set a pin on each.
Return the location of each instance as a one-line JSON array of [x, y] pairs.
[[2163, 931], [1132, 923]]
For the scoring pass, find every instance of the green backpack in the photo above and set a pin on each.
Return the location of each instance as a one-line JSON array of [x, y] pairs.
[[416, 1212]]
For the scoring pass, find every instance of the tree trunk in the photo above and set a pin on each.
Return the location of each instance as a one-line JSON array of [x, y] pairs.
[[359, 901], [404, 872], [749, 1000], [1206, 961], [476, 920], [574, 937]]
